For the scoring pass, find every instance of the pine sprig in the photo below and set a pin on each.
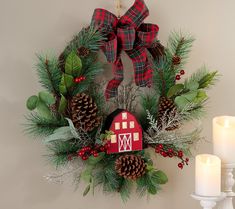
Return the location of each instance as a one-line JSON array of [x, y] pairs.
[[40, 127], [49, 73], [89, 38], [179, 45]]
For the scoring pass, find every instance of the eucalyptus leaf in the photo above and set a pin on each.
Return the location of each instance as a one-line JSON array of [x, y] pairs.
[[174, 90], [193, 85], [190, 95], [73, 129], [46, 97], [73, 64], [87, 175], [43, 110], [60, 134], [181, 102], [32, 102], [62, 104], [201, 96]]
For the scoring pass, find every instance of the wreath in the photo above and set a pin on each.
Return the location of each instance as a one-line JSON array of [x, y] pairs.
[[105, 137]]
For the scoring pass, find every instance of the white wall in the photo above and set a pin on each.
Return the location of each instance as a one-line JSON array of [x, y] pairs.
[[29, 26]]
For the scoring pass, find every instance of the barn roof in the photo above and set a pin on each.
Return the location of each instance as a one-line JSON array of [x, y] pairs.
[[111, 117]]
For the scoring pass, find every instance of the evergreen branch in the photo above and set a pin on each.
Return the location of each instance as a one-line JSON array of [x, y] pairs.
[[49, 74], [89, 38], [40, 127], [125, 189], [60, 152]]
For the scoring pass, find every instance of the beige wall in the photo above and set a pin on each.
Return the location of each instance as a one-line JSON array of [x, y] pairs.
[[29, 26]]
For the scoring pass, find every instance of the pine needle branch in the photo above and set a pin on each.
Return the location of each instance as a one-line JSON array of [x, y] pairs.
[[49, 74], [40, 127]]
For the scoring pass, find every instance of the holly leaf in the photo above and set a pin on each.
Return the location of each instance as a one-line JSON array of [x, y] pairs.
[[31, 103], [46, 97], [73, 64], [174, 90], [63, 104]]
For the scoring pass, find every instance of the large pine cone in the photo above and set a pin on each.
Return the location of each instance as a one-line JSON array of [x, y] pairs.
[[166, 109], [83, 111], [130, 166]]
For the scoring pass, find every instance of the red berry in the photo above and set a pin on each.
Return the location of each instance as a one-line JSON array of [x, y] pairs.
[[96, 154], [81, 153], [102, 149], [84, 157], [164, 154], [180, 165], [182, 72], [186, 159], [170, 150], [160, 146], [180, 154], [170, 155], [177, 77], [157, 150]]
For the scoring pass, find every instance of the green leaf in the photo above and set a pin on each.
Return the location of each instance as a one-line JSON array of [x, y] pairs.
[[159, 177], [174, 90], [63, 104], [190, 95], [86, 191], [46, 97], [87, 175], [43, 110], [63, 89], [68, 80], [193, 85], [32, 102], [94, 160], [181, 102], [208, 79], [73, 64], [73, 129], [60, 134], [201, 96]]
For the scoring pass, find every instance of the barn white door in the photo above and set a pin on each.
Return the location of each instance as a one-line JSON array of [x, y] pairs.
[[125, 142]]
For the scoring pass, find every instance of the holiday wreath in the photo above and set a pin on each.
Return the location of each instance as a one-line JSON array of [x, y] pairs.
[[102, 135]]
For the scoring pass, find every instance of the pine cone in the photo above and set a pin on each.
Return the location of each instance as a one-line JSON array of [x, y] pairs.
[[83, 111], [83, 51], [157, 50], [130, 166], [176, 60], [166, 108]]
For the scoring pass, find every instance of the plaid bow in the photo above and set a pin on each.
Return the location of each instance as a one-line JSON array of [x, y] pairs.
[[131, 35]]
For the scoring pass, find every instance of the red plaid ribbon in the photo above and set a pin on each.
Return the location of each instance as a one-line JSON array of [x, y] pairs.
[[130, 34]]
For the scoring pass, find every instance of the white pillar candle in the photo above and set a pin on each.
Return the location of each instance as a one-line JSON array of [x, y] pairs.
[[224, 138], [208, 175]]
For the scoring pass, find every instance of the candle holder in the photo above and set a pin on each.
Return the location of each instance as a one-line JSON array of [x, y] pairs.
[[208, 202], [227, 183]]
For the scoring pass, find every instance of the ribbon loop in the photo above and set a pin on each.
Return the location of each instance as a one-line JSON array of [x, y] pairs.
[[131, 35]]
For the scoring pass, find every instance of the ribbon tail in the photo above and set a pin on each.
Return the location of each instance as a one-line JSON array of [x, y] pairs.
[[142, 68], [112, 87]]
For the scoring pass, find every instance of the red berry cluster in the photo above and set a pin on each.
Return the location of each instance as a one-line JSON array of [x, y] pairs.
[[167, 151], [79, 79], [178, 76], [87, 151]]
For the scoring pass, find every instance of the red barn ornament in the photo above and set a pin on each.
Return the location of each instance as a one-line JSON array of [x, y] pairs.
[[127, 132]]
